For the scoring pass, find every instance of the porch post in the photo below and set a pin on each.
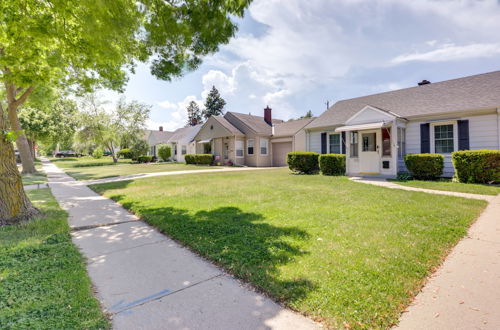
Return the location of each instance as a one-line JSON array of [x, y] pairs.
[[394, 142]]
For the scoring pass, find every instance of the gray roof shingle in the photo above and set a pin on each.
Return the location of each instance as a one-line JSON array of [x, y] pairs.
[[185, 134], [476, 92], [256, 123], [156, 137], [291, 127]]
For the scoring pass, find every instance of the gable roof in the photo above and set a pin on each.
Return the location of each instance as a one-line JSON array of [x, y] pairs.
[[476, 92], [255, 123], [227, 125], [156, 137], [185, 134], [291, 127]]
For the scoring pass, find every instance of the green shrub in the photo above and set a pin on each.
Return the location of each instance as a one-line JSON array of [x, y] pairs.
[[425, 166], [97, 153], [139, 148], [303, 162], [164, 152], [477, 166], [144, 159], [332, 164], [200, 159], [125, 153], [189, 158]]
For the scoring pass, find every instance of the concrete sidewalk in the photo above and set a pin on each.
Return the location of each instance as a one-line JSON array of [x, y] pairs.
[[465, 292], [147, 281]]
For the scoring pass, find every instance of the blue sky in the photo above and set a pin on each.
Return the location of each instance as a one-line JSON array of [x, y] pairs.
[[294, 55]]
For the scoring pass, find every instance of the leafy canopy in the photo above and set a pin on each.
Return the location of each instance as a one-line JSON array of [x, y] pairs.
[[91, 43], [194, 114]]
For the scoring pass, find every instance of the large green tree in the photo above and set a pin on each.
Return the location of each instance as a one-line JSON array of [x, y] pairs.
[[90, 44], [111, 128], [194, 113], [214, 104]]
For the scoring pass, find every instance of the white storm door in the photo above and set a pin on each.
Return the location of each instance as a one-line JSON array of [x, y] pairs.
[[369, 156]]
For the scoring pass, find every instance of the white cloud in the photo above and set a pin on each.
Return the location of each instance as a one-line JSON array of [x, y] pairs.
[[178, 114], [450, 52]]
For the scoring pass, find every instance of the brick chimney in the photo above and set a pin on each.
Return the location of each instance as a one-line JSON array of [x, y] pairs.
[[161, 129], [268, 118]]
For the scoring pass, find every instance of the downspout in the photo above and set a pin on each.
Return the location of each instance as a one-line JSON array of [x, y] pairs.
[[498, 127]]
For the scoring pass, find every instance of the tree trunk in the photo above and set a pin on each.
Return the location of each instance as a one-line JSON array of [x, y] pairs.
[[15, 207], [112, 151], [22, 143]]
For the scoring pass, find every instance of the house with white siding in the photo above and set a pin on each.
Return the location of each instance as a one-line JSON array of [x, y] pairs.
[[182, 142], [376, 131], [155, 139]]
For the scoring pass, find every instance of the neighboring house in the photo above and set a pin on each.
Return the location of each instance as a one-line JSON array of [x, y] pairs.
[[182, 142], [155, 138], [376, 131], [245, 139]]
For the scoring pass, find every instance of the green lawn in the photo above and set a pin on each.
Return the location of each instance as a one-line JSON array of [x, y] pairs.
[[86, 168], [336, 250], [37, 178], [448, 185], [43, 281]]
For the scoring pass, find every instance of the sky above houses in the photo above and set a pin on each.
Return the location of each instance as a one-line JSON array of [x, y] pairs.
[[296, 55]]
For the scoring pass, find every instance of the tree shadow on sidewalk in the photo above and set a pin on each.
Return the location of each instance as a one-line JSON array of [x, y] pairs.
[[239, 241]]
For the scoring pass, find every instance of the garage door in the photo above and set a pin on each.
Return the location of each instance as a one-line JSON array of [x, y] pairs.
[[280, 150]]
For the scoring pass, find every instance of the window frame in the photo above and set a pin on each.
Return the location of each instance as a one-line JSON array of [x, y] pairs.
[[401, 142], [252, 141], [353, 146], [242, 149], [183, 149], [267, 147], [339, 144], [433, 135], [384, 149]]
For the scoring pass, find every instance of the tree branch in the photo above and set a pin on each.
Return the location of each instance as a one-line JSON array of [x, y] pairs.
[[25, 95]]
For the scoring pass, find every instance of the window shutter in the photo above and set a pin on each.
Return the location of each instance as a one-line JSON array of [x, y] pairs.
[[463, 135], [425, 138], [343, 142], [323, 143]]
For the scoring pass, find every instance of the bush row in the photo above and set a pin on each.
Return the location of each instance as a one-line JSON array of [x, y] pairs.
[[199, 159], [312, 163], [471, 166]]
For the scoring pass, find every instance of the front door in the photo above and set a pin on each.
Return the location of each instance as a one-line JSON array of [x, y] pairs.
[[369, 156]]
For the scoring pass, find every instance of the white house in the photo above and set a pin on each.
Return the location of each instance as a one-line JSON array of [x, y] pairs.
[[182, 142], [376, 131], [156, 138]]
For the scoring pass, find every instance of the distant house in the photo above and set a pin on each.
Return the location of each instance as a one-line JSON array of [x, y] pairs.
[[182, 142], [245, 139], [155, 138], [376, 131]]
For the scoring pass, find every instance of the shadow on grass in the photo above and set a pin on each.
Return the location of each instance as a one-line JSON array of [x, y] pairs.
[[239, 241]]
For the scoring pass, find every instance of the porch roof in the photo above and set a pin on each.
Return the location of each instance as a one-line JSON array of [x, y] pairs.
[[362, 127]]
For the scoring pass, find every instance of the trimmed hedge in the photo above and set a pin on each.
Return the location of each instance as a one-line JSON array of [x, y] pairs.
[[199, 159], [425, 166], [303, 162], [477, 166], [164, 152], [332, 164], [145, 159], [125, 153]]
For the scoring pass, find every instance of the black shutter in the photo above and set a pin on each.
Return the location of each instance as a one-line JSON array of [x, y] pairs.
[[343, 142], [425, 138], [323, 143], [463, 135]]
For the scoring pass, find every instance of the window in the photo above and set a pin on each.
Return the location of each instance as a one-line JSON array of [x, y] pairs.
[[443, 139], [401, 142], [184, 150], [239, 148], [175, 149], [334, 143], [354, 145], [369, 141], [263, 146], [250, 147], [386, 141]]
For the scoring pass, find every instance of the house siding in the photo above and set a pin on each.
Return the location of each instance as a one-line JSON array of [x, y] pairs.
[[483, 134], [315, 142]]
